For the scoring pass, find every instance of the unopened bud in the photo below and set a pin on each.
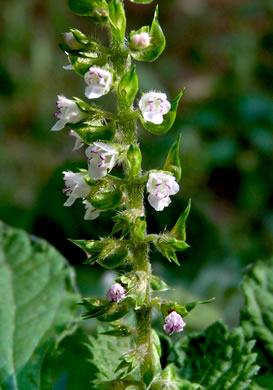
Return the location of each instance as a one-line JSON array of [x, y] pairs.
[[174, 323], [116, 293], [71, 41], [140, 41]]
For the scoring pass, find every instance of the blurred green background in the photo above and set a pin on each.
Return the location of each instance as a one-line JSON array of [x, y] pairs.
[[221, 50]]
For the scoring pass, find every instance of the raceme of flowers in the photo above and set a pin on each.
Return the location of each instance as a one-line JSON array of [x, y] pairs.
[[160, 186], [68, 112], [154, 105], [174, 323]]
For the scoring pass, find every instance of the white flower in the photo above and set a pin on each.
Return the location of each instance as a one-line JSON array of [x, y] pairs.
[[75, 187], [160, 186], [140, 41], [91, 212], [101, 159], [68, 112], [79, 142], [153, 106], [99, 82]]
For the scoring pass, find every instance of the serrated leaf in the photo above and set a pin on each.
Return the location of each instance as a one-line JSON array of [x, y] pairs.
[[168, 121], [105, 354], [217, 359], [157, 41], [37, 306], [257, 316]]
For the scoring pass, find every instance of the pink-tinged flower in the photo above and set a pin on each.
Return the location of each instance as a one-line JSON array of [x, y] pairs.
[[153, 106], [160, 186], [174, 323], [101, 159], [78, 142], [68, 112], [140, 41], [90, 211], [116, 293], [99, 82], [75, 187]]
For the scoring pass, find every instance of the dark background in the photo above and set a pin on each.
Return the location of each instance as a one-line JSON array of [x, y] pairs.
[[221, 50]]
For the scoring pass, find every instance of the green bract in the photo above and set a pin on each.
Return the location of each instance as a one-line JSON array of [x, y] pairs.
[[157, 284], [179, 229], [106, 198], [172, 163], [108, 253], [128, 87], [134, 159], [168, 245], [169, 118], [82, 61], [156, 45], [94, 131], [117, 19], [96, 9], [104, 310], [141, 1]]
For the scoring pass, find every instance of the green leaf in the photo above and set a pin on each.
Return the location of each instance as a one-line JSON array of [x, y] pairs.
[[119, 330], [131, 360], [157, 42], [168, 121], [105, 354], [179, 229], [257, 316], [217, 359], [128, 87], [173, 163], [93, 131], [37, 306]]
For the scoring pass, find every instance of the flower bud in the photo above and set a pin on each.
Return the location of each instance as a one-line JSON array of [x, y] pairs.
[[153, 106], [68, 112], [116, 293], [160, 186], [99, 82], [174, 323], [71, 41], [140, 41]]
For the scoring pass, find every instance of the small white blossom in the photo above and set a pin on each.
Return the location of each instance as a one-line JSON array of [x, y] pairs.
[[99, 82], [153, 106], [116, 293], [75, 187], [68, 112], [174, 323], [160, 186], [90, 213], [101, 159], [79, 142], [141, 41]]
